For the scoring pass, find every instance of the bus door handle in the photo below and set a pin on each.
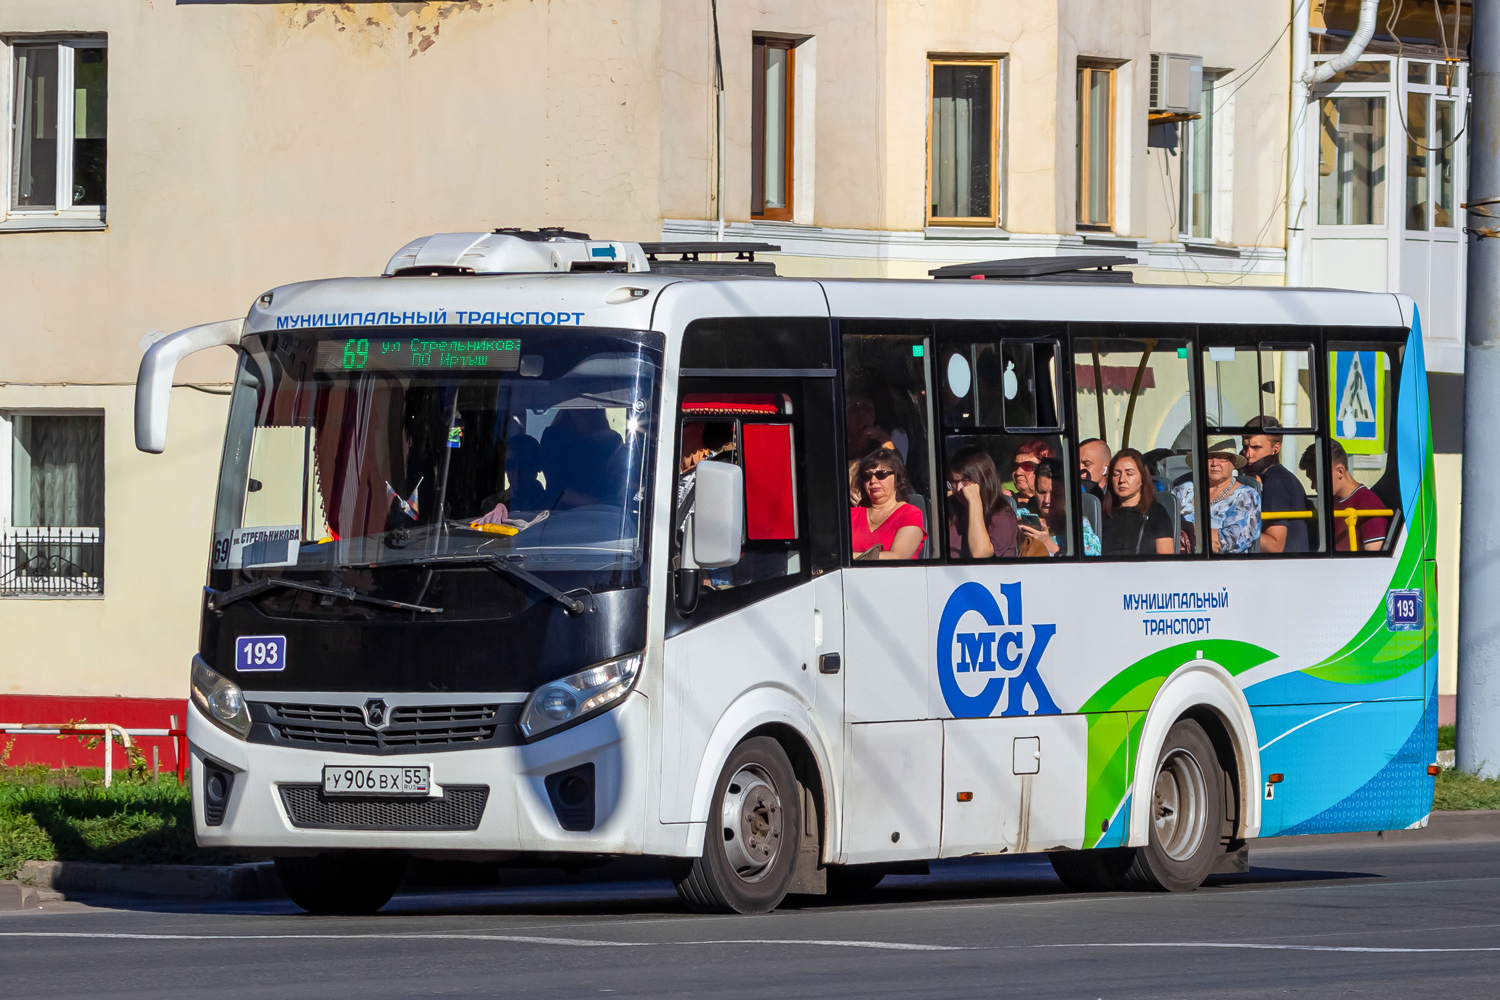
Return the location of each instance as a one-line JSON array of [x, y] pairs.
[[829, 663]]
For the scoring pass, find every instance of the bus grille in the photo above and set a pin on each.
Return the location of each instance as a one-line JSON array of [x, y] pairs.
[[460, 808], [412, 729]]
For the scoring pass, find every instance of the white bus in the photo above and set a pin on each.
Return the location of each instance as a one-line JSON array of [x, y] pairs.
[[536, 547]]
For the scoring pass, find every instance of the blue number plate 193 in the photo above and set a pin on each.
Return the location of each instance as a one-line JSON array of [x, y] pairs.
[[1403, 611], [260, 652]]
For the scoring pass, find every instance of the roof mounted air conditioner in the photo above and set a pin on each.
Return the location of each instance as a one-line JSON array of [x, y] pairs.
[[1176, 83], [515, 251]]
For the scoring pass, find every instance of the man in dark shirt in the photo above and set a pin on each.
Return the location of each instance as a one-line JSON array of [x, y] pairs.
[[1279, 488]]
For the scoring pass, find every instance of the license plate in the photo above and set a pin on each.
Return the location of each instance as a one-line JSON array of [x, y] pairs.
[[377, 780]]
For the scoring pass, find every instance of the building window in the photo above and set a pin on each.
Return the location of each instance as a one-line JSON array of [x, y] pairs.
[[1195, 215], [963, 131], [1351, 161], [58, 133], [52, 507], [772, 134], [1096, 147], [1430, 154]]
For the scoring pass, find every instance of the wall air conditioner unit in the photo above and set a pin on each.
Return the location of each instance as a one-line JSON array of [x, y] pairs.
[[1176, 83]]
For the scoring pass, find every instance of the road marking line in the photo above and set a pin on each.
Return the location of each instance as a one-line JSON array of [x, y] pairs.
[[508, 938], [1245, 945]]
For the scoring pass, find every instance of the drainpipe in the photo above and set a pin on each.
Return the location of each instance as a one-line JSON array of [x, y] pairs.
[[1297, 218], [719, 123], [1296, 198], [1302, 79], [1356, 47]]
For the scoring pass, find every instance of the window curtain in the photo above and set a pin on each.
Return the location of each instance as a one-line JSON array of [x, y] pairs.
[[59, 471]]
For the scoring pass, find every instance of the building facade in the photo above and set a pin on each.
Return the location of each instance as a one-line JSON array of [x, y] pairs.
[[167, 163]]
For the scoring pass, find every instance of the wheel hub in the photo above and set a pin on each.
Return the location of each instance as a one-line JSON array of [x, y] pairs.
[[751, 821], [1179, 809]]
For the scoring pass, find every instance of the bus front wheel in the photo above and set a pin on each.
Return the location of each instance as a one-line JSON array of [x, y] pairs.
[[1187, 817], [353, 883], [753, 836]]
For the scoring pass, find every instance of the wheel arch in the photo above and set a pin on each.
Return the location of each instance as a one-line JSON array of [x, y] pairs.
[[781, 716], [1205, 692]]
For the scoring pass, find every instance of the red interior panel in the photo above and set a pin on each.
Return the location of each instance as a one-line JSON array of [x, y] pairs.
[[770, 481]]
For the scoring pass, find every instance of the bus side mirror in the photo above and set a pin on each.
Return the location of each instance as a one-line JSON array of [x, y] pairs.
[[718, 514], [153, 384]]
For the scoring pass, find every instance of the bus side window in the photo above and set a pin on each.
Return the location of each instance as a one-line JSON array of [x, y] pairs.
[[887, 371], [756, 432], [1137, 435], [1362, 469], [1260, 403]]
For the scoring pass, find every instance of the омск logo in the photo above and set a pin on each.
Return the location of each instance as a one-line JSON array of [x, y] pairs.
[[984, 658]]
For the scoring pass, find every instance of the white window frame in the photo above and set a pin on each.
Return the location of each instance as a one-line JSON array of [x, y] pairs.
[[1395, 152], [1435, 92], [7, 497], [1220, 168], [62, 215]]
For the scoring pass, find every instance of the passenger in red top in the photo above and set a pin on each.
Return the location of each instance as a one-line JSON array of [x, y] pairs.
[[1349, 492], [885, 526]]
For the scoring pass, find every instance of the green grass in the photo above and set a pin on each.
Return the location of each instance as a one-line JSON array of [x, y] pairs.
[[68, 815], [1460, 790]]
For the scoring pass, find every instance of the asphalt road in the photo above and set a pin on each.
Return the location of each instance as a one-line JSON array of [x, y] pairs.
[[1389, 920]]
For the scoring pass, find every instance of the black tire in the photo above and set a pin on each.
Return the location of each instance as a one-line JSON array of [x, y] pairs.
[[1187, 815], [354, 883], [753, 837], [854, 880], [1187, 820]]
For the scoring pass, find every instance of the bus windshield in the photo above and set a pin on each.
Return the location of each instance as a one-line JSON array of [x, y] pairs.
[[390, 450]]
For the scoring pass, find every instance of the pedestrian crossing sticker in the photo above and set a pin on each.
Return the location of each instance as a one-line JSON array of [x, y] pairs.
[[1358, 385]]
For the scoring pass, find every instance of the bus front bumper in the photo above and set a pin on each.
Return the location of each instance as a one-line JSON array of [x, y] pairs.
[[518, 814]]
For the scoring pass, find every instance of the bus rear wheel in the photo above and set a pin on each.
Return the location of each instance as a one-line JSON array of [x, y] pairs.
[[353, 883], [1187, 817], [1187, 814], [754, 834]]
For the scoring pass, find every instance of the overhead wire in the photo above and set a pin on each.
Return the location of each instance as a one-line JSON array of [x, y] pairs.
[[1449, 64]]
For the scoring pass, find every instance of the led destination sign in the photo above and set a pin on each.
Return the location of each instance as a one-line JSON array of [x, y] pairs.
[[417, 354]]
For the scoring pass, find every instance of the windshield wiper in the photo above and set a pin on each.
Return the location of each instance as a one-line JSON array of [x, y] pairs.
[[497, 563], [219, 599]]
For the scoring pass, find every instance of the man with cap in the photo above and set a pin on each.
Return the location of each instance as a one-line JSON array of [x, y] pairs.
[[1233, 507]]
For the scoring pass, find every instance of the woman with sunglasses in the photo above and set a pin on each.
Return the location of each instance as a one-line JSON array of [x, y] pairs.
[[1023, 473], [981, 524], [884, 525]]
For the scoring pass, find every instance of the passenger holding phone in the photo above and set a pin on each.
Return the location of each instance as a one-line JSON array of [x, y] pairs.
[[1045, 534]]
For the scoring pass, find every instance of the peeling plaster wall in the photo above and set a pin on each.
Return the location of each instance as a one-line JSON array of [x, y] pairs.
[[253, 144]]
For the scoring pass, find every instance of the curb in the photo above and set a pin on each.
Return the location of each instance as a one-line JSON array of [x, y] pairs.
[[1469, 826], [19, 896], [203, 883]]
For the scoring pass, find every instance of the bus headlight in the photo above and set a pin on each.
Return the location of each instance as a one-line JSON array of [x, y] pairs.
[[220, 699], [571, 698]]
